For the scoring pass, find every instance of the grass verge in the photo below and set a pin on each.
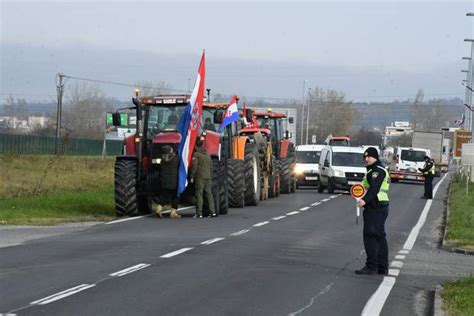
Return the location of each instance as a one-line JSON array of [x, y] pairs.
[[55, 208], [460, 223], [458, 297], [48, 190]]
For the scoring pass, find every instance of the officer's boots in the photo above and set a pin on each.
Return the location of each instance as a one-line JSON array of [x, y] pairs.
[[174, 214]]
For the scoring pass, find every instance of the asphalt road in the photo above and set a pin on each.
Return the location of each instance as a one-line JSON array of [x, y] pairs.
[[293, 255]]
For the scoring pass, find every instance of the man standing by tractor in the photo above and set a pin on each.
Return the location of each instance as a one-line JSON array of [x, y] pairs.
[[201, 176], [169, 182]]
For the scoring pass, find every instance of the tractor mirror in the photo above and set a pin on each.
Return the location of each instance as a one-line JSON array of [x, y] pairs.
[[116, 119], [218, 117], [291, 120], [287, 134]]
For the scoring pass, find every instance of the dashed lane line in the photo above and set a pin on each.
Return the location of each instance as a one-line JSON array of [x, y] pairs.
[[211, 241], [404, 252], [278, 217], [130, 270], [177, 252], [240, 232], [305, 208], [261, 224], [393, 272], [325, 200], [400, 257], [397, 264], [316, 204], [292, 213], [62, 294]]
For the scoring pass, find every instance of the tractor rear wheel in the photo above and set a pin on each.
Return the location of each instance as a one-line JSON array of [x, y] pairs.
[[236, 182], [126, 195], [252, 175], [223, 188], [273, 180], [285, 176]]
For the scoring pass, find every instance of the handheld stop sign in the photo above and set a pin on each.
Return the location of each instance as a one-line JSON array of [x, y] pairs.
[[357, 191]]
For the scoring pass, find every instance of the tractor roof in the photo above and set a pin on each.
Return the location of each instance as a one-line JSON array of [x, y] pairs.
[[271, 114], [216, 105], [166, 99]]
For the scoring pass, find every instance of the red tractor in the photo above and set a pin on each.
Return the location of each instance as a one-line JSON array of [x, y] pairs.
[[137, 171]]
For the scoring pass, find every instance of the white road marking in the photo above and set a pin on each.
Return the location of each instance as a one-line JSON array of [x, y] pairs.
[[261, 224], [393, 272], [421, 221], [125, 219], [278, 217], [316, 204], [62, 294], [377, 300], [325, 200], [304, 208], [404, 252], [396, 264], [130, 269], [400, 257], [333, 196], [292, 213], [211, 241], [175, 253], [240, 232], [326, 289], [375, 304]]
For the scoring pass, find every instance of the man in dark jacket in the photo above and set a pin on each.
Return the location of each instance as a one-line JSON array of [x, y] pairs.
[[375, 204], [428, 171], [201, 176], [168, 182]]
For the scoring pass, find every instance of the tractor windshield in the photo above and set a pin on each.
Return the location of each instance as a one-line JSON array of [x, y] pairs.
[[207, 121], [164, 118]]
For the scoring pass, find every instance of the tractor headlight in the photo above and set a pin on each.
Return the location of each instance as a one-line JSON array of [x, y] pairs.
[[156, 161]]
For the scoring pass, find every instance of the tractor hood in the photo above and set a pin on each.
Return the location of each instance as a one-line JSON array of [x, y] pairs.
[[167, 138]]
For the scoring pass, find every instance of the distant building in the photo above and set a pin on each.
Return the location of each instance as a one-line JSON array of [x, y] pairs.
[[23, 124], [396, 129]]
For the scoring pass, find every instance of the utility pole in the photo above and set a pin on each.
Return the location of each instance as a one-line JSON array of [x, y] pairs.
[[307, 116], [60, 93], [302, 111]]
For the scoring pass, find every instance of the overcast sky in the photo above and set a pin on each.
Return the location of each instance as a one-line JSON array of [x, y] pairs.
[[413, 39]]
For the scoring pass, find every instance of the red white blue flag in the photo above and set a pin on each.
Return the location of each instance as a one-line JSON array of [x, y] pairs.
[[231, 114], [189, 126]]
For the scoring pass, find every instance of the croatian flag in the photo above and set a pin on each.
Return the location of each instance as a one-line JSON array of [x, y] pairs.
[[231, 114], [188, 126]]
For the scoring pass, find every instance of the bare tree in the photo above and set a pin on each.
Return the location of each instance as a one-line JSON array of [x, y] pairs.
[[330, 113], [15, 107], [84, 114], [367, 137]]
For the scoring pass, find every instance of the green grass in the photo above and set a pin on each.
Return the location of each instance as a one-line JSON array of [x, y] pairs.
[[458, 297], [48, 190], [55, 208], [461, 215]]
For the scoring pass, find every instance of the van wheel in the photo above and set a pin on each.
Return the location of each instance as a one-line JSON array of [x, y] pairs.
[[330, 186], [320, 187]]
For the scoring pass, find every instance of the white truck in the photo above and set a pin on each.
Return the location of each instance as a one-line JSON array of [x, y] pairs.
[[434, 141]]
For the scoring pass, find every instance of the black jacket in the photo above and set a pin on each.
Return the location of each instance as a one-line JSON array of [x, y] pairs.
[[169, 171], [427, 167]]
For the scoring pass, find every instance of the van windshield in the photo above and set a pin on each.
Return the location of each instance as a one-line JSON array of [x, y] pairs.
[[348, 159], [307, 156], [413, 155]]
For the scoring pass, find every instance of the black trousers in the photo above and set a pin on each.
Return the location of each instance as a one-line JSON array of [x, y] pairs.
[[429, 186], [375, 242], [169, 196]]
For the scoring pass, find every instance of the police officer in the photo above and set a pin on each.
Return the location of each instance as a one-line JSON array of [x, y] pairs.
[[375, 204], [428, 171], [201, 175]]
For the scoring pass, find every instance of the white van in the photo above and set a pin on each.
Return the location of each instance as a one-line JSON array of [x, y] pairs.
[[307, 160], [340, 167], [408, 160]]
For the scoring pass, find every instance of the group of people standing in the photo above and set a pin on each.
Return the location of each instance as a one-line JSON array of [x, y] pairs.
[[200, 175]]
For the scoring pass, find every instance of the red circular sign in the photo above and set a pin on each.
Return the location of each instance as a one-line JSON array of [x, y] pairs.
[[357, 190]]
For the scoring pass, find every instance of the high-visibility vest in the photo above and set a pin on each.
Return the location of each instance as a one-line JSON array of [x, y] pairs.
[[382, 195], [432, 170]]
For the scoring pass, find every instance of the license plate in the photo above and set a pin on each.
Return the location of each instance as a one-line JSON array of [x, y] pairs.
[[352, 182], [311, 178], [411, 177]]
